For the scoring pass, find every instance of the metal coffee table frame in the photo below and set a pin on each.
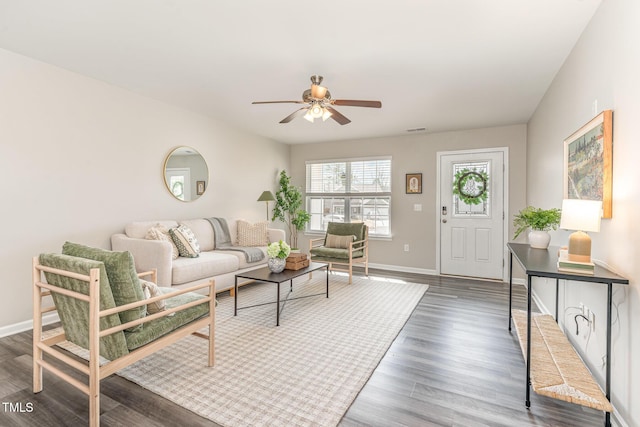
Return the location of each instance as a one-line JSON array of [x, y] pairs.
[[265, 275]]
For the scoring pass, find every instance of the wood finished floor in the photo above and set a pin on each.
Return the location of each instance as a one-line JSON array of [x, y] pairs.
[[453, 364]]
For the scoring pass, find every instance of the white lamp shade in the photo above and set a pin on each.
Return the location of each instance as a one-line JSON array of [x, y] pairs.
[[582, 215]]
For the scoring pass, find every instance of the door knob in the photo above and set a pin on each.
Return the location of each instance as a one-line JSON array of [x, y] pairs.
[[444, 221]]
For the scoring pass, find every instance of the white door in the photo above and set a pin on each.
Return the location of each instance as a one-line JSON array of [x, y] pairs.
[[471, 213]]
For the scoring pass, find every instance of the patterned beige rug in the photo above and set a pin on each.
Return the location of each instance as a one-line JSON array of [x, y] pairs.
[[305, 372]]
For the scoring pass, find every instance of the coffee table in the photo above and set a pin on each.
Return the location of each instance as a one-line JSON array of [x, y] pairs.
[[265, 275]]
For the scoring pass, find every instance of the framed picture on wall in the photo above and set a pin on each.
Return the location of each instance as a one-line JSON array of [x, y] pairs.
[[200, 188], [588, 160], [414, 183]]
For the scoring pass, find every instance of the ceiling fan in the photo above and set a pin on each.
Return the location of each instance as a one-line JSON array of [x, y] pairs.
[[320, 104]]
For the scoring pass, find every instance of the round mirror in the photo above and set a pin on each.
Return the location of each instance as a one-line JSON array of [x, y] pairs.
[[186, 174]]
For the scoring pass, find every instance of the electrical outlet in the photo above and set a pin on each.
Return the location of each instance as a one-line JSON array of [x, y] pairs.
[[406, 247]]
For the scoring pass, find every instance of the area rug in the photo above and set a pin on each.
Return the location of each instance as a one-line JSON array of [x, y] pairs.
[[305, 372]]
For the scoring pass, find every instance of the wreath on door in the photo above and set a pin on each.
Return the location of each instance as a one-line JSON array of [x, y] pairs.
[[471, 186], [177, 189]]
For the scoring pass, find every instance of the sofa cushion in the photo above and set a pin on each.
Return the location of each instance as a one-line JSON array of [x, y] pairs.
[[186, 241], [123, 279], [211, 263], [160, 232], [138, 230], [252, 234], [339, 242], [242, 259], [203, 232], [74, 314], [154, 329]]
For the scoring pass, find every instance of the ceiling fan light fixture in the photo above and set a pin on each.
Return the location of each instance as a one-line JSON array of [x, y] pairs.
[[326, 115], [318, 92], [308, 116], [316, 110]]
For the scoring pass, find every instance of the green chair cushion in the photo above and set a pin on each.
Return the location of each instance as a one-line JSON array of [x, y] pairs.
[[327, 254], [74, 313], [357, 229], [124, 281], [154, 329]]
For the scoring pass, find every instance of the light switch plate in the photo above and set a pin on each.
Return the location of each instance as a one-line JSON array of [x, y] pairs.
[[417, 207]]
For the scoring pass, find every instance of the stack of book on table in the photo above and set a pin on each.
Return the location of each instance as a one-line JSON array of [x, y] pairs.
[[567, 266]]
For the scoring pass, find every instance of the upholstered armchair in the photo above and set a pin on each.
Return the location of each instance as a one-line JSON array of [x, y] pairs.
[[103, 308], [345, 245]]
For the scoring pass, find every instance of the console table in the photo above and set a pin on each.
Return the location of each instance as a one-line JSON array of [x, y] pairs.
[[543, 263]]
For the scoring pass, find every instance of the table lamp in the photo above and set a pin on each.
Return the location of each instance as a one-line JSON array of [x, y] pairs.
[[581, 216], [267, 196]]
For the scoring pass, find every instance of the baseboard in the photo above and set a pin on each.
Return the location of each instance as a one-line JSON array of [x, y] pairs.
[[27, 325], [403, 269]]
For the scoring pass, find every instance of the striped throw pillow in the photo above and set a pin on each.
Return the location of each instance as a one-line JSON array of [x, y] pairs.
[[339, 242]]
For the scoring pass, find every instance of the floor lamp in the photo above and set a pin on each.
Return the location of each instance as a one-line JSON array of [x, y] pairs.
[[267, 196]]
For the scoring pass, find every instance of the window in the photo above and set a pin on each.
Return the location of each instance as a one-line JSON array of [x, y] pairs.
[[354, 190]]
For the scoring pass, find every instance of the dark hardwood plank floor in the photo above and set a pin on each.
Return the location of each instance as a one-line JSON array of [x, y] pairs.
[[453, 364]]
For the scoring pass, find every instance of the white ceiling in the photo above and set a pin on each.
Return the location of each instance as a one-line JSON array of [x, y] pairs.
[[438, 64]]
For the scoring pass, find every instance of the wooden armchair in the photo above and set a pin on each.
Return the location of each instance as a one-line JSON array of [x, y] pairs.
[[86, 294], [345, 245]]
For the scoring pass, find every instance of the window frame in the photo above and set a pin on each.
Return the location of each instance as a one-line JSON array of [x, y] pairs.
[[349, 196]]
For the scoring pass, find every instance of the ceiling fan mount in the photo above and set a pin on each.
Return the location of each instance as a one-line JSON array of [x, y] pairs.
[[320, 104]]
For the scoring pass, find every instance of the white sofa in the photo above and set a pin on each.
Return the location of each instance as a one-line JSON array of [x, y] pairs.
[[220, 265]]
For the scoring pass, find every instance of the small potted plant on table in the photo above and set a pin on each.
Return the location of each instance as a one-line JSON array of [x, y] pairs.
[[540, 221]]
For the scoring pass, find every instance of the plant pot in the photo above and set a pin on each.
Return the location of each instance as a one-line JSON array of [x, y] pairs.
[[539, 239], [276, 265]]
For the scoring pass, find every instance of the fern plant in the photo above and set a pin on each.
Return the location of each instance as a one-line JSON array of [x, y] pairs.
[[536, 219]]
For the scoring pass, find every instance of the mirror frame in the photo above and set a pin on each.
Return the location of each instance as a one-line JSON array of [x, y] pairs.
[[195, 192]]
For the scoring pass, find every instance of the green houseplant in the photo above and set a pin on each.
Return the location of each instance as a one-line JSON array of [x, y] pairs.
[[288, 208], [540, 221]]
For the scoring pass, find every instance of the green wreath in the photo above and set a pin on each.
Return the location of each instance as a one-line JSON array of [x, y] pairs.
[[471, 186], [177, 189]]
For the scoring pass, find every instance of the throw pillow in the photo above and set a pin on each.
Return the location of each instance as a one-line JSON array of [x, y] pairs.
[[252, 234], [123, 278], [151, 290], [186, 241], [339, 242], [160, 232]]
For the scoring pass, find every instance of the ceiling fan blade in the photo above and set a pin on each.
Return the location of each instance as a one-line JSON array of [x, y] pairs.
[[357, 103], [278, 102], [337, 116], [294, 115]]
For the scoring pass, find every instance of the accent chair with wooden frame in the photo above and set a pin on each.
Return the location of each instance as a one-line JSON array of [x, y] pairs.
[[86, 304], [345, 244]]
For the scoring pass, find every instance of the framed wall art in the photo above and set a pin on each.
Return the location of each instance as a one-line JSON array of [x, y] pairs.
[[588, 162], [414, 183], [200, 187]]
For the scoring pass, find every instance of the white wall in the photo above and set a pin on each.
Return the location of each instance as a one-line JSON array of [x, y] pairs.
[[604, 66], [80, 158], [414, 154]]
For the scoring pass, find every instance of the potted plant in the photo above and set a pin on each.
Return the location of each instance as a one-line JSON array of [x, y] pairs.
[[288, 208], [540, 221], [277, 253]]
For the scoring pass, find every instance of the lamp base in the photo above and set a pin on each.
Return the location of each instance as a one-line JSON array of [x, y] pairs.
[[579, 247]]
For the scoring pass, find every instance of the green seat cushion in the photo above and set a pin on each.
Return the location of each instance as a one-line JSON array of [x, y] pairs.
[[327, 254], [74, 313], [124, 281], [154, 329]]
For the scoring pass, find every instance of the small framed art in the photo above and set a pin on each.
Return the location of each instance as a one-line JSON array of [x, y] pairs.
[[414, 183], [200, 188]]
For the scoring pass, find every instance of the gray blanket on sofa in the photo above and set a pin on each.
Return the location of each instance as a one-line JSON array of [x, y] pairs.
[[222, 240]]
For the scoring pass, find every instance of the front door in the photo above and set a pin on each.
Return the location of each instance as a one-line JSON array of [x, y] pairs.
[[471, 213]]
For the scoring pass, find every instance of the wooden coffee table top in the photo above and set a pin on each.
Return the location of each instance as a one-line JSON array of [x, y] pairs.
[[265, 275]]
